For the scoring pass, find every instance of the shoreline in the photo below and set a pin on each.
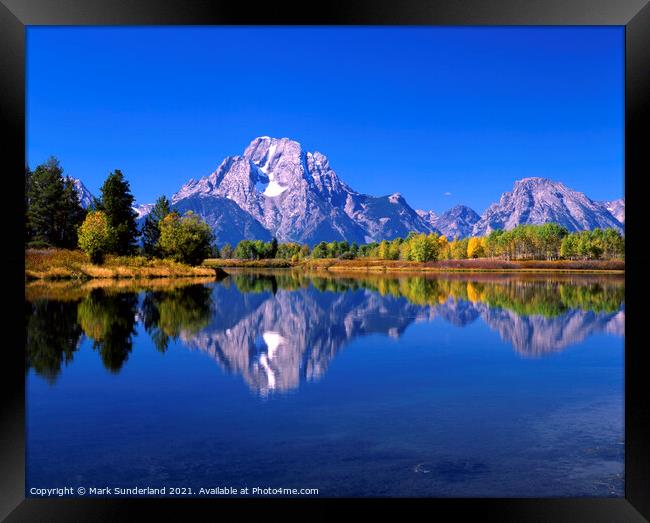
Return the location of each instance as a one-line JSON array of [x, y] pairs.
[[63, 265], [67, 265], [480, 265]]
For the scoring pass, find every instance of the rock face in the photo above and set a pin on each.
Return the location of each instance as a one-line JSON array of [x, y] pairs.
[[539, 200], [457, 222], [85, 196], [616, 208], [277, 189], [293, 195]]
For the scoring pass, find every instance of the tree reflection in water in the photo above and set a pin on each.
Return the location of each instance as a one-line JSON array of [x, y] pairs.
[[109, 320], [278, 329]]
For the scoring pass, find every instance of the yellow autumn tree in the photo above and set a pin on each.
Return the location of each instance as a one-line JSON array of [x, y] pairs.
[[475, 247]]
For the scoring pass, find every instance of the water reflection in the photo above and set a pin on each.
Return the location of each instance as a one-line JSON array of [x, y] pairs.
[[277, 330], [165, 314]]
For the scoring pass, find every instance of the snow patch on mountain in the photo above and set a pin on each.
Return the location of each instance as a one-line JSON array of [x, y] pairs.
[[142, 210]]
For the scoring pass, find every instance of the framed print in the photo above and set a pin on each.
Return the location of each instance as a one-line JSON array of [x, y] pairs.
[[266, 255]]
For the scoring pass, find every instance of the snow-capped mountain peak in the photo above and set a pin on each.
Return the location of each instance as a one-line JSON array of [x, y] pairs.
[[296, 196], [276, 188]]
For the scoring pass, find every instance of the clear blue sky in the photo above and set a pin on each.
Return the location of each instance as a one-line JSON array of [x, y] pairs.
[[442, 115]]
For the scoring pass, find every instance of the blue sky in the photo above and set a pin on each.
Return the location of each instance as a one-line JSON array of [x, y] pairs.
[[442, 115]]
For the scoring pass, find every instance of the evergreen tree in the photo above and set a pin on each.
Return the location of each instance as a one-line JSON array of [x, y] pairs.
[[117, 203], [28, 181], [151, 227], [45, 196], [71, 215]]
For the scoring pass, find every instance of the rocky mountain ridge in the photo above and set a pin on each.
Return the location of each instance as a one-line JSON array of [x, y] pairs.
[[275, 188]]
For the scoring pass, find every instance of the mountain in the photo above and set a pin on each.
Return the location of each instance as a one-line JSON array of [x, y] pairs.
[[276, 338], [229, 222], [277, 189], [85, 196], [539, 200], [457, 222], [616, 208], [142, 210], [294, 195]]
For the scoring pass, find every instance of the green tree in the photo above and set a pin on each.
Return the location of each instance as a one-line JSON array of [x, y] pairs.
[[186, 239], [273, 251], [151, 227], [320, 251], [96, 236], [226, 251], [245, 250], [45, 202], [28, 181], [71, 215], [287, 251], [117, 203]]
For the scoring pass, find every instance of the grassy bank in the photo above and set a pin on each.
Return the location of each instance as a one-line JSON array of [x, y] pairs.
[[473, 265], [71, 290], [275, 263], [62, 264]]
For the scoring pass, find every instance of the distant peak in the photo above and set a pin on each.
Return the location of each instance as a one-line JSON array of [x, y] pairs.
[[272, 140], [534, 181]]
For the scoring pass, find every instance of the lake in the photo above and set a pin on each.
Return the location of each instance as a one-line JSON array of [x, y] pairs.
[[453, 385]]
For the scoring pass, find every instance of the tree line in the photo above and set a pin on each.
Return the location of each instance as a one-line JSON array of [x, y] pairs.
[[525, 242], [55, 218]]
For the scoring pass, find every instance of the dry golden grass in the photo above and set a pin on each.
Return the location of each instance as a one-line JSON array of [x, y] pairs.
[[378, 265], [68, 290], [233, 262], [474, 265], [57, 264]]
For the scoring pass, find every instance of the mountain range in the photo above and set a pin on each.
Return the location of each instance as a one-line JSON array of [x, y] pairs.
[[277, 340], [277, 189]]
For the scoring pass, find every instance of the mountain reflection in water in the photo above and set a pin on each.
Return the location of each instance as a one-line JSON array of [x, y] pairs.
[[278, 329]]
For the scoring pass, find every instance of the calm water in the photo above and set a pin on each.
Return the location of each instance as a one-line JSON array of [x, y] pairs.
[[484, 385]]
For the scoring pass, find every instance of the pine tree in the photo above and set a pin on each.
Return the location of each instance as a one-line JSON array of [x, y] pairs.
[[28, 181], [71, 215], [45, 195], [117, 203], [151, 227]]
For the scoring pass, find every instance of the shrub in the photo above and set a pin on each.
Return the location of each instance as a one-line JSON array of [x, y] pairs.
[[96, 236], [186, 239]]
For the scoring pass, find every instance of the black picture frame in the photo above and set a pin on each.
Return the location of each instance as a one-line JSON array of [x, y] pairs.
[[15, 15]]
